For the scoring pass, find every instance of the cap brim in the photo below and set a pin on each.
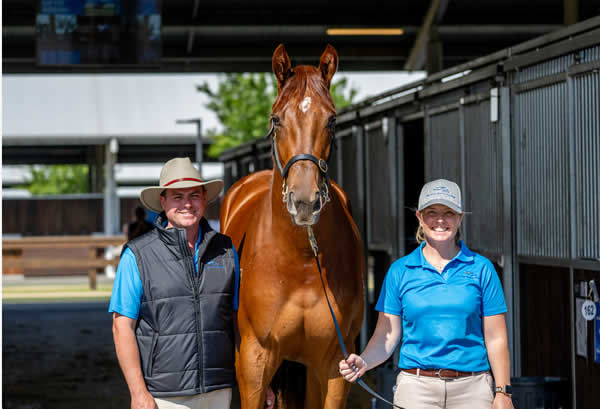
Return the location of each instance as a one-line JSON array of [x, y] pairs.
[[442, 202], [150, 196]]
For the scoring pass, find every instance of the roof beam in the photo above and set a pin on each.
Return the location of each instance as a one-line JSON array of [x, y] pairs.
[[435, 13]]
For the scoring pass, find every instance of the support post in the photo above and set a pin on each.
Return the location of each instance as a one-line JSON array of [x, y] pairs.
[[111, 216], [510, 271], [92, 254], [199, 147], [570, 11]]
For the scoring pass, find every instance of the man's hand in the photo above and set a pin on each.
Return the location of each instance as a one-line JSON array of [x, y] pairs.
[[270, 401], [143, 401], [352, 368], [501, 401]]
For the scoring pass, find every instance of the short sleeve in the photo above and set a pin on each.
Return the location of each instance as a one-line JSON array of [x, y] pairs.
[[389, 298], [127, 288], [236, 290], [492, 294]]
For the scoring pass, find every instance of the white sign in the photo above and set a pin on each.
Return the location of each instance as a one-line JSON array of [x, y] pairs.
[[588, 310]]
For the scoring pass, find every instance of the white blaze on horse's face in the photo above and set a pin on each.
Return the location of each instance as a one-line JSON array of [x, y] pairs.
[[305, 105]]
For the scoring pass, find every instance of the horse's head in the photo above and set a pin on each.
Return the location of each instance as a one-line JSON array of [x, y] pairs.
[[302, 128]]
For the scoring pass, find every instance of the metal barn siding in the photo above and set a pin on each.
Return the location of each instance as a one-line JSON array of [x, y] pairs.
[[352, 173], [483, 181], [555, 66], [444, 146], [543, 172], [589, 54], [586, 90], [379, 213]]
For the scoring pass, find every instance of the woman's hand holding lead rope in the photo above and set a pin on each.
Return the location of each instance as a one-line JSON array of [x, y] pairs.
[[353, 367]]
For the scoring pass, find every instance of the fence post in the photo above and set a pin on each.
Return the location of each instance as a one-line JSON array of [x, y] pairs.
[[93, 254]]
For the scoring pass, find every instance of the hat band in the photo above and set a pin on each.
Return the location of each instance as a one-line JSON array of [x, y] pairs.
[[182, 179]]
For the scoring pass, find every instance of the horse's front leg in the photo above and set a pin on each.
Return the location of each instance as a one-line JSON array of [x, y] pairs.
[[337, 389], [255, 368], [334, 388]]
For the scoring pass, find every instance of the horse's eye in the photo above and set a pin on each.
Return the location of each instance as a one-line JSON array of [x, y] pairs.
[[331, 124], [275, 121]]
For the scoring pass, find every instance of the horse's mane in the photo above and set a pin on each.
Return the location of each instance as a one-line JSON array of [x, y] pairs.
[[297, 85]]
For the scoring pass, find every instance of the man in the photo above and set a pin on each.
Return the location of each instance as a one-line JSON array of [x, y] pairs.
[[174, 299]]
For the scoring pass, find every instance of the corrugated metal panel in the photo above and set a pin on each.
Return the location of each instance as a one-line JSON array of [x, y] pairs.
[[550, 67], [586, 90], [590, 54], [444, 141], [483, 170], [378, 188], [542, 144]]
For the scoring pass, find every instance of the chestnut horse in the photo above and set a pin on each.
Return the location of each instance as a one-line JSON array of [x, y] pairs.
[[283, 314]]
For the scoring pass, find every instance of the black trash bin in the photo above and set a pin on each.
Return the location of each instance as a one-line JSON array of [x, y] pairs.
[[540, 392]]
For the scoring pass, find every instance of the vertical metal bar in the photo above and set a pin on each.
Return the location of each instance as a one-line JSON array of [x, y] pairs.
[[508, 270], [367, 184], [199, 147], [393, 163], [358, 134], [463, 181], [110, 189], [399, 167], [573, 223], [427, 143]]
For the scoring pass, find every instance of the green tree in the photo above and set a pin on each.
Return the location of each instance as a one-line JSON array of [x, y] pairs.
[[57, 179], [242, 103]]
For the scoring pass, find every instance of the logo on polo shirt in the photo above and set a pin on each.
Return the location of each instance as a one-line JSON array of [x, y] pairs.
[[471, 275]]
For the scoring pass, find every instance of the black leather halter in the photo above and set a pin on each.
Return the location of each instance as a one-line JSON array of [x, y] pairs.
[[322, 165]]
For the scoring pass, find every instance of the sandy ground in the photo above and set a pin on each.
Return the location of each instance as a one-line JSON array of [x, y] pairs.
[[59, 355]]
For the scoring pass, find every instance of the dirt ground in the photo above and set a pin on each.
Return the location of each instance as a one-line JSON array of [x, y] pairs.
[[61, 356]]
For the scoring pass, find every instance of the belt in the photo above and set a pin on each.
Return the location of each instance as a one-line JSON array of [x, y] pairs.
[[439, 373]]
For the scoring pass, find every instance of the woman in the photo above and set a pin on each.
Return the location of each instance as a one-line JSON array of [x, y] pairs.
[[447, 305]]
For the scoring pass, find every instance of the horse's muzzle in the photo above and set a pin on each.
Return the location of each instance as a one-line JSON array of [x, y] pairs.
[[303, 212]]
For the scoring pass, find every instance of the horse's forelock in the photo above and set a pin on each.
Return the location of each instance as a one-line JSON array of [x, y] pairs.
[[305, 78]]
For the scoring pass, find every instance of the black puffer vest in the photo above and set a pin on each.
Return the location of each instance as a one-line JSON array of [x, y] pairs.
[[185, 326]]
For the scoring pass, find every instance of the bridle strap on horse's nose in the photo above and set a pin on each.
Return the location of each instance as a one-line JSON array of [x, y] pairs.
[[321, 164], [313, 244]]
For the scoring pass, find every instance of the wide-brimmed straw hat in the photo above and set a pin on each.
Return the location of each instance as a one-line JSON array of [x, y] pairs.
[[179, 173]]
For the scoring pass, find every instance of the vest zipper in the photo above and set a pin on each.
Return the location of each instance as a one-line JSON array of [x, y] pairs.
[[194, 279]]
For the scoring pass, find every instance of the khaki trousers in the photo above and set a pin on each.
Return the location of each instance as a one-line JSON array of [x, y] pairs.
[[219, 399], [425, 392]]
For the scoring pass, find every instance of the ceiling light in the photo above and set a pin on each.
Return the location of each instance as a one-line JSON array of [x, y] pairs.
[[365, 31]]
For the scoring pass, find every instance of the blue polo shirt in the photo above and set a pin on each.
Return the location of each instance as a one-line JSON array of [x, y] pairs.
[[442, 313], [127, 288]]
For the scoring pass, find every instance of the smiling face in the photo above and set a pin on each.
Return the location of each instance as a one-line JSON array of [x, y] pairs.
[[439, 222], [184, 207]]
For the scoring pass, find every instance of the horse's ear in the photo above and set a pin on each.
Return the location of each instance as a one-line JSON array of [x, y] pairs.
[[282, 66], [329, 64]]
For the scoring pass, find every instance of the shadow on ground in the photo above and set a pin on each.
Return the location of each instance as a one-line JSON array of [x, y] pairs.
[[61, 356]]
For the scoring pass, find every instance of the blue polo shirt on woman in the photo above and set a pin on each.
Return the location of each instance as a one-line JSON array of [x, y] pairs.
[[127, 288], [442, 313]]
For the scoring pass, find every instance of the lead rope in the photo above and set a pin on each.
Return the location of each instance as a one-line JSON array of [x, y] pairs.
[[315, 249]]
